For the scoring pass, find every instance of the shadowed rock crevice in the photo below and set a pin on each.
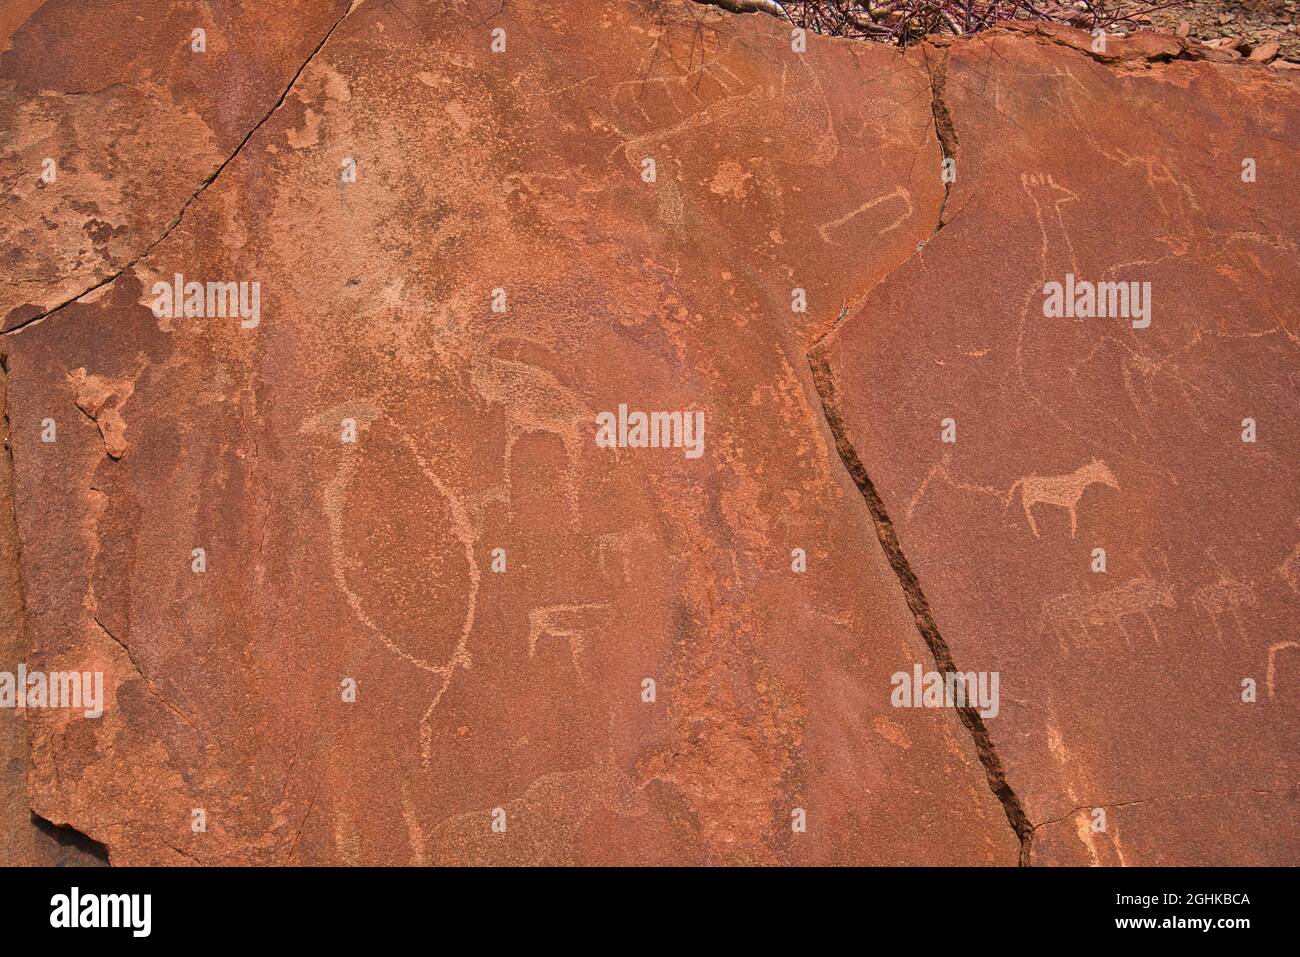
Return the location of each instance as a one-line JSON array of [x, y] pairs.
[[69, 837], [944, 129], [824, 381]]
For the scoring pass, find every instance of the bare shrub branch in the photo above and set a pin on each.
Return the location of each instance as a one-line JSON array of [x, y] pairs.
[[906, 21]]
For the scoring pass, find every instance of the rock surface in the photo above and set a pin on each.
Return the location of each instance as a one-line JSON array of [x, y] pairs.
[[134, 124], [1123, 688], [520, 179], [26, 840]]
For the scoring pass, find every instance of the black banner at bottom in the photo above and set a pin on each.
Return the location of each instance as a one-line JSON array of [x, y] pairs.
[[334, 906]]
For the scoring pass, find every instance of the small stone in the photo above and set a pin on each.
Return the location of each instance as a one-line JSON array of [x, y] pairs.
[[1184, 28], [1265, 52]]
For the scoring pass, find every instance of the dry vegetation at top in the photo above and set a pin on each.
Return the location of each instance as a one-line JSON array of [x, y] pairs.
[[1267, 26]]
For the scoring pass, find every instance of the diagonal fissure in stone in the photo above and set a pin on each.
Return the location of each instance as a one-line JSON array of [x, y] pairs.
[[208, 181], [824, 382]]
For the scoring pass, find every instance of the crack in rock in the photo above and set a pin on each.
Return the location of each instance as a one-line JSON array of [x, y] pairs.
[[176, 220], [824, 382]]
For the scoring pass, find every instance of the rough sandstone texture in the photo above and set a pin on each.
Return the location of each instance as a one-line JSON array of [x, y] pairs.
[[1123, 689], [26, 840], [522, 690]]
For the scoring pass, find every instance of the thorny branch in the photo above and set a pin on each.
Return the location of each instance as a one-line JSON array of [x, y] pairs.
[[907, 21]]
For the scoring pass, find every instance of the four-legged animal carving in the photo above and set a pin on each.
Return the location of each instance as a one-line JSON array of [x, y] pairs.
[[1063, 491], [562, 621]]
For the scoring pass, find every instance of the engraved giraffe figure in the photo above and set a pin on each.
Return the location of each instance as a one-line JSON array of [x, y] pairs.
[[1056, 258], [1063, 491], [1048, 198], [533, 400]]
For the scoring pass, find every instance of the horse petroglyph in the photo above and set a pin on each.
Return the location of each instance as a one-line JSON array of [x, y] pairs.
[[1063, 491]]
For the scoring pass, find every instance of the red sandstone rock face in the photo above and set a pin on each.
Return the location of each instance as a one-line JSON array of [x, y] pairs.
[[26, 841], [520, 178], [1122, 689], [372, 560], [133, 122]]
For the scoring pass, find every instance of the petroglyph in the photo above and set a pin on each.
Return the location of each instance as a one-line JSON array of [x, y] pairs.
[[743, 103], [1071, 616], [534, 400], [1227, 596], [568, 622], [542, 821], [1048, 198], [731, 109], [1064, 617], [899, 193], [619, 545], [1271, 674], [414, 831], [1290, 568], [1142, 374], [335, 495], [336, 554], [1062, 491], [1139, 597], [941, 473], [1178, 208]]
